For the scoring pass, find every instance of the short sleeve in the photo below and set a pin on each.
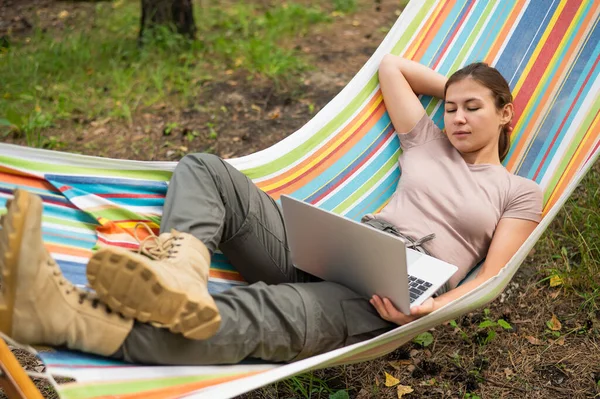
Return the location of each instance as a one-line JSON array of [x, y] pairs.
[[423, 132], [525, 200]]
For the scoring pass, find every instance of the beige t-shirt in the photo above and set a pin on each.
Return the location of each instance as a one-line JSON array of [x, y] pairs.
[[461, 203]]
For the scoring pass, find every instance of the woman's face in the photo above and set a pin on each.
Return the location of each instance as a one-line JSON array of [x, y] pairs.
[[472, 121]]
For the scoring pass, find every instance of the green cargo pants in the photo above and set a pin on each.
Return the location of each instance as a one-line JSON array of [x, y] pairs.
[[284, 314]]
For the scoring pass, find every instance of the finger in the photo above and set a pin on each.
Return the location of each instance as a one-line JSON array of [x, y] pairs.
[[389, 307], [376, 302]]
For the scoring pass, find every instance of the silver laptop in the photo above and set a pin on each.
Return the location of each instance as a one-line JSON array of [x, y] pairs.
[[362, 258]]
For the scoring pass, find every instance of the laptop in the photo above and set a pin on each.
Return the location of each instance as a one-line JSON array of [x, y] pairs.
[[360, 257]]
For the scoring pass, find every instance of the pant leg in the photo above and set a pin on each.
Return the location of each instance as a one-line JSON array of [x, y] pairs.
[[277, 323], [224, 209]]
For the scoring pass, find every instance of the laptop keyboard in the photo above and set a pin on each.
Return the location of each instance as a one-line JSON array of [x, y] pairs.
[[416, 287]]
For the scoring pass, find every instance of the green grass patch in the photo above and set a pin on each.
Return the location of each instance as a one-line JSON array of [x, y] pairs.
[[572, 243], [97, 69]]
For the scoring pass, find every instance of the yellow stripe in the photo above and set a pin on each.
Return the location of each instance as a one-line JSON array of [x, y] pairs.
[[411, 52], [330, 147], [557, 189], [531, 105], [538, 49]]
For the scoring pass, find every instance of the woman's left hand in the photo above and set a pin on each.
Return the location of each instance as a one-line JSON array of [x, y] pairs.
[[388, 311]]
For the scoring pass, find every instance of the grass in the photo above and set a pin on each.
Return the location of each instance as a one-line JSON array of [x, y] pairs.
[[100, 71]]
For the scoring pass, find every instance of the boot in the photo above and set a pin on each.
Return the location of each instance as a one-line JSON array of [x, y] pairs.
[[166, 284], [37, 304]]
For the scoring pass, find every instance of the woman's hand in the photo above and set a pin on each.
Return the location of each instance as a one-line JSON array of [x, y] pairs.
[[388, 311]]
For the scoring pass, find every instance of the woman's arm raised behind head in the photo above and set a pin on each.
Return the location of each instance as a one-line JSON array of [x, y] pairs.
[[401, 81]]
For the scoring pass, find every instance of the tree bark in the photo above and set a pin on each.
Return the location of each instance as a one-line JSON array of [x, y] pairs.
[[176, 14]]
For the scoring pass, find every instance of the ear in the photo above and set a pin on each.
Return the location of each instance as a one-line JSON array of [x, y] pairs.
[[506, 114]]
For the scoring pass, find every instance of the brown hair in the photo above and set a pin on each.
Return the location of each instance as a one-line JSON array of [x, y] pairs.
[[492, 79]]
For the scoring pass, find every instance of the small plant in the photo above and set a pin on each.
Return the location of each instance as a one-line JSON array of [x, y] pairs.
[[344, 6], [424, 339], [212, 133], [460, 331], [488, 327], [170, 127]]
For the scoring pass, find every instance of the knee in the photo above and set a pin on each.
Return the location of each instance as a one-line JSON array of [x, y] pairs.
[[196, 162], [200, 158]]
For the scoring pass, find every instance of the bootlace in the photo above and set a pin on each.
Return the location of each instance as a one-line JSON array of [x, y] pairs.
[[153, 247], [70, 288]]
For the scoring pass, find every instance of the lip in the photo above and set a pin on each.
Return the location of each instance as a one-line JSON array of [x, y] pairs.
[[460, 133]]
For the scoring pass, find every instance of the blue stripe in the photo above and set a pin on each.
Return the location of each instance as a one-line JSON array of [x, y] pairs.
[[557, 114], [467, 31], [377, 198], [441, 37], [318, 182]]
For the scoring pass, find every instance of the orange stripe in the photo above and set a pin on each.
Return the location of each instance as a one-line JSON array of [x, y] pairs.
[[226, 275], [15, 177], [435, 22], [176, 391], [541, 106], [325, 164], [580, 155], [65, 250], [503, 35], [325, 148]]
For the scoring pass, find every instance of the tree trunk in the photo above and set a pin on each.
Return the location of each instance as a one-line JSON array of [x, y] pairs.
[[176, 14]]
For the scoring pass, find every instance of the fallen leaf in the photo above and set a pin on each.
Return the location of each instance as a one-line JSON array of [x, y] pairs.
[[63, 14], [508, 373], [403, 390], [400, 364], [560, 341], [276, 113], [555, 281], [554, 323], [376, 381], [555, 294], [390, 380], [534, 341], [356, 23], [256, 107]]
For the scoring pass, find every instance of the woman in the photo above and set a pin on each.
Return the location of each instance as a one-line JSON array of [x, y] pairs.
[[154, 307]]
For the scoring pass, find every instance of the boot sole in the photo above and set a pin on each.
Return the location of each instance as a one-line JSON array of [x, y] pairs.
[[128, 286], [14, 220]]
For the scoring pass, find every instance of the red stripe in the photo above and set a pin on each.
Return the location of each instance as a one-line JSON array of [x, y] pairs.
[[119, 245], [592, 153], [433, 25], [357, 166], [338, 148], [587, 78], [544, 57], [465, 15]]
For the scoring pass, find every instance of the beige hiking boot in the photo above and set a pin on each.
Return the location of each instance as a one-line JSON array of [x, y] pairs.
[[37, 304], [165, 285]]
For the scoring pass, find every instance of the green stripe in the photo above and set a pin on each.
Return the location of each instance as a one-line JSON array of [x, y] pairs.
[[585, 126], [466, 47], [412, 27], [343, 116], [77, 391], [317, 139], [71, 222], [370, 183], [48, 168]]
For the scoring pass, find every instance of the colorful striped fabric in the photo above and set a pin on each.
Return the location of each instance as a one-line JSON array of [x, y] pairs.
[[344, 160]]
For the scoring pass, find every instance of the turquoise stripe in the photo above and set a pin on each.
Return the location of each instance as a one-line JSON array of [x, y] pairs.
[[378, 197], [550, 127], [361, 179], [491, 31], [463, 36], [338, 167], [441, 35], [528, 118]]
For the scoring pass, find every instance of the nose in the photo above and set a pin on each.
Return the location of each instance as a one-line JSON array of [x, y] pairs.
[[459, 117]]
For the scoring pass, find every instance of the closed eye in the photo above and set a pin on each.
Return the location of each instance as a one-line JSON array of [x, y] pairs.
[[472, 109]]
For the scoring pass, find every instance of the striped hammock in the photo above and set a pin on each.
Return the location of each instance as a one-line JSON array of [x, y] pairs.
[[343, 160]]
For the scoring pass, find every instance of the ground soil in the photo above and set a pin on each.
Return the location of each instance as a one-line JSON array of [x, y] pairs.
[[525, 361]]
